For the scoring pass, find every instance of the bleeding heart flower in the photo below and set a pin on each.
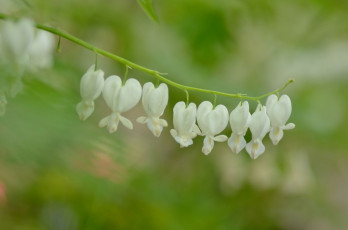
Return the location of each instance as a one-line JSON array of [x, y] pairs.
[[212, 121], [239, 121], [278, 112], [120, 98], [259, 126], [184, 119], [91, 86], [154, 102]]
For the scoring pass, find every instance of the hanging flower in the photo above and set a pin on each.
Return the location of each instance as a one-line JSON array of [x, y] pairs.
[[259, 126], [212, 121], [91, 86], [154, 102], [41, 50], [239, 120], [278, 112], [184, 119], [120, 98], [16, 37]]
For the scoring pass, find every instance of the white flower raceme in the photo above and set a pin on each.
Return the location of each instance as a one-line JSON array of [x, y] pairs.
[[154, 102], [239, 121], [16, 38], [41, 50], [184, 119], [91, 86], [259, 126], [212, 121], [120, 98], [278, 112]]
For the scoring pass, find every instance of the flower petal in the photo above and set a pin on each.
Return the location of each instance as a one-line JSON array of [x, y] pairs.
[[259, 123], [236, 142], [92, 83], [202, 116], [255, 148], [114, 119], [276, 134], [289, 126], [220, 138], [142, 120], [158, 100], [217, 120], [84, 110], [127, 123], [163, 123], [239, 118], [208, 145], [111, 91], [130, 94], [279, 112]]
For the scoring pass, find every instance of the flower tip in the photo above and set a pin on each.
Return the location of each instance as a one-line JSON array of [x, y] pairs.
[[206, 150], [157, 132]]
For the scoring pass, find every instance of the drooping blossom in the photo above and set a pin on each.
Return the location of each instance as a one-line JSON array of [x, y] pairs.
[[120, 98], [278, 112], [154, 102], [211, 121], [259, 126], [91, 86], [239, 121], [184, 119]]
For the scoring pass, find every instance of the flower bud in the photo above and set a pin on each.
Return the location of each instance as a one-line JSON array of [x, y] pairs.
[[91, 86]]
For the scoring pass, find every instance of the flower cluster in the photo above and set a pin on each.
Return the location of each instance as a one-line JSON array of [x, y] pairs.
[[22, 48], [211, 120]]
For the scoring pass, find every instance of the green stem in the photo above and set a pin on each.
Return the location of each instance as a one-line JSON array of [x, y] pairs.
[[125, 75], [187, 98], [154, 73]]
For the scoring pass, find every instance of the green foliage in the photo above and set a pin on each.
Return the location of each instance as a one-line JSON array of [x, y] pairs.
[[147, 6]]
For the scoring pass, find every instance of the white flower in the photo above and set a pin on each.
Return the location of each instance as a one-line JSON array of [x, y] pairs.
[[120, 98], [212, 121], [239, 121], [259, 127], [16, 38], [154, 102], [184, 119], [278, 112], [41, 50], [91, 86], [3, 103]]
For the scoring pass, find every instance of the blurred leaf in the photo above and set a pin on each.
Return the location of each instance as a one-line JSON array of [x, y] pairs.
[[148, 8]]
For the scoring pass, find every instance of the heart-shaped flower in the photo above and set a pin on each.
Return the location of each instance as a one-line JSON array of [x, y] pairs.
[[16, 38], [278, 112], [154, 102], [212, 121], [91, 86], [259, 126], [120, 98], [184, 119], [239, 120], [41, 50]]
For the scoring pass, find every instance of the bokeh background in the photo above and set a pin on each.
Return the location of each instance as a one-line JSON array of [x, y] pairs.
[[57, 172]]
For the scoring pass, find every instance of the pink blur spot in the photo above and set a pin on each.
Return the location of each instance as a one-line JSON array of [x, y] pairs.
[[2, 193]]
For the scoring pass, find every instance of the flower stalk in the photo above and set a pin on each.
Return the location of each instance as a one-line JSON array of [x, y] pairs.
[[158, 75]]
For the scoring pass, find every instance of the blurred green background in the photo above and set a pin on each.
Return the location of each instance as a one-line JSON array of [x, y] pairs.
[[57, 172]]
